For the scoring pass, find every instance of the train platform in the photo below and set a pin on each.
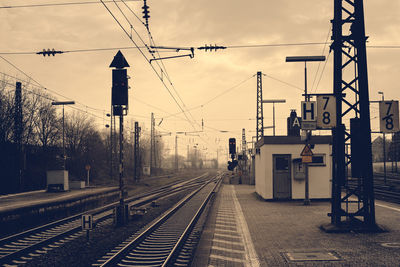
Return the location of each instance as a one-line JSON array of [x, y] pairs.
[[244, 230], [41, 197]]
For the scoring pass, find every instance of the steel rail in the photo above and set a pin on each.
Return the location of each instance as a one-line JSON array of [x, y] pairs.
[[94, 211], [119, 256], [41, 236], [181, 242]]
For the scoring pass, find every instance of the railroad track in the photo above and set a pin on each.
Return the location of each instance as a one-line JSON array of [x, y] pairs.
[[388, 192], [170, 240], [22, 247]]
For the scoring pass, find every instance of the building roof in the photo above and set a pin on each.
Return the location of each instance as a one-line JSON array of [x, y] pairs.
[[284, 140]]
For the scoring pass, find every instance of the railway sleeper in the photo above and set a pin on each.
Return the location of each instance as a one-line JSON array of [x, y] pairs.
[[146, 256], [150, 250], [148, 265], [141, 263]]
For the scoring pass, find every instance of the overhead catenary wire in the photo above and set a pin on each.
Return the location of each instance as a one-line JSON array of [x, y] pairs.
[[63, 4], [162, 67], [217, 96], [40, 86], [279, 80], [319, 63], [49, 98], [322, 72], [142, 53], [134, 47]]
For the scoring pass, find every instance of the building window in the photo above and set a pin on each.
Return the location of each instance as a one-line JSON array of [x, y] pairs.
[[318, 160], [282, 163]]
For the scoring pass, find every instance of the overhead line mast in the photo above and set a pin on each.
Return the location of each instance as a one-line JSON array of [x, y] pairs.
[[260, 117], [356, 209]]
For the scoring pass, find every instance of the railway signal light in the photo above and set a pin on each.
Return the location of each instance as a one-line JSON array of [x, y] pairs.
[[232, 165], [119, 87], [232, 146]]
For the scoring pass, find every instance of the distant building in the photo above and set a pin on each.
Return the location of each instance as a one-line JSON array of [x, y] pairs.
[[279, 171], [377, 149]]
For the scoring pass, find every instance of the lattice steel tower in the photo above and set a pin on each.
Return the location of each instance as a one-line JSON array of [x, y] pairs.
[[354, 209], [260, 117]]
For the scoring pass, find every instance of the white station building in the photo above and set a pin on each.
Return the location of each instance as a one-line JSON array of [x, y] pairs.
[[280, 173]]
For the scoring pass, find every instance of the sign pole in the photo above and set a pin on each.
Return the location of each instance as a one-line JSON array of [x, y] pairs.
[[306, 189]]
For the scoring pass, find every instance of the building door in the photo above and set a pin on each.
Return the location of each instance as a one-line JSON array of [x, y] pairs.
[[282, 177]]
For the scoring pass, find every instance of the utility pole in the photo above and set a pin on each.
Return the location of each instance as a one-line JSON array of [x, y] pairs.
[[152, 154], [176, 154], [260, 116], [384, 146], [136, 151], [217, 157], [18, 134], [119, 102], [111, 143], [244, 149], [63, 103]]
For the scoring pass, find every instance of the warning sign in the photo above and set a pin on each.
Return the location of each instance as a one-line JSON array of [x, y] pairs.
[[306, 151], [306, 159]]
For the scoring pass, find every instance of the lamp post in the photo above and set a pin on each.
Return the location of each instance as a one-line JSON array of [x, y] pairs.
[[305, 59], [384, 147], [273, 101], [63, 103]]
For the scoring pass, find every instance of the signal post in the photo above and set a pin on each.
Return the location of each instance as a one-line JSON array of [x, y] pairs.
[[119, 103]]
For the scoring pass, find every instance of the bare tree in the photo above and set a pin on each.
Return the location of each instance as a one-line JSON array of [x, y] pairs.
[[30, 102], [6, 109], [47, 125]]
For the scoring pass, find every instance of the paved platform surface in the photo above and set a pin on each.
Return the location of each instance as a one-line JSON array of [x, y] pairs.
[[15, 201], [244, 230]]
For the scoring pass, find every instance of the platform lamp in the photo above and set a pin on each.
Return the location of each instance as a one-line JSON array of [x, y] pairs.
[[306, 59], [273, 101], [63, 103]]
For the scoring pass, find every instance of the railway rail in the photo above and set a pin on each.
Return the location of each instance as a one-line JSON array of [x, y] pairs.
[[169, 240], [388, 192], [22, 247]]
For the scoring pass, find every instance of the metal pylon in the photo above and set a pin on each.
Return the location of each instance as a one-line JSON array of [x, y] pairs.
[[351, 91], [260, 117]]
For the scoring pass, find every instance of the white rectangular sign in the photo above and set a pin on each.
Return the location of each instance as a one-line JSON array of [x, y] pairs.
[[308, 111], [87, 222], [326, 111], [389, 116], [308, 125]]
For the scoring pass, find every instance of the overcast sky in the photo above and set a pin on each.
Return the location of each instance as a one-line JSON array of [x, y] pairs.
[[86, 78]]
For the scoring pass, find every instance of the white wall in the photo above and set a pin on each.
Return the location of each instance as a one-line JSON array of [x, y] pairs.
[[263, 181], [319, 176]]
